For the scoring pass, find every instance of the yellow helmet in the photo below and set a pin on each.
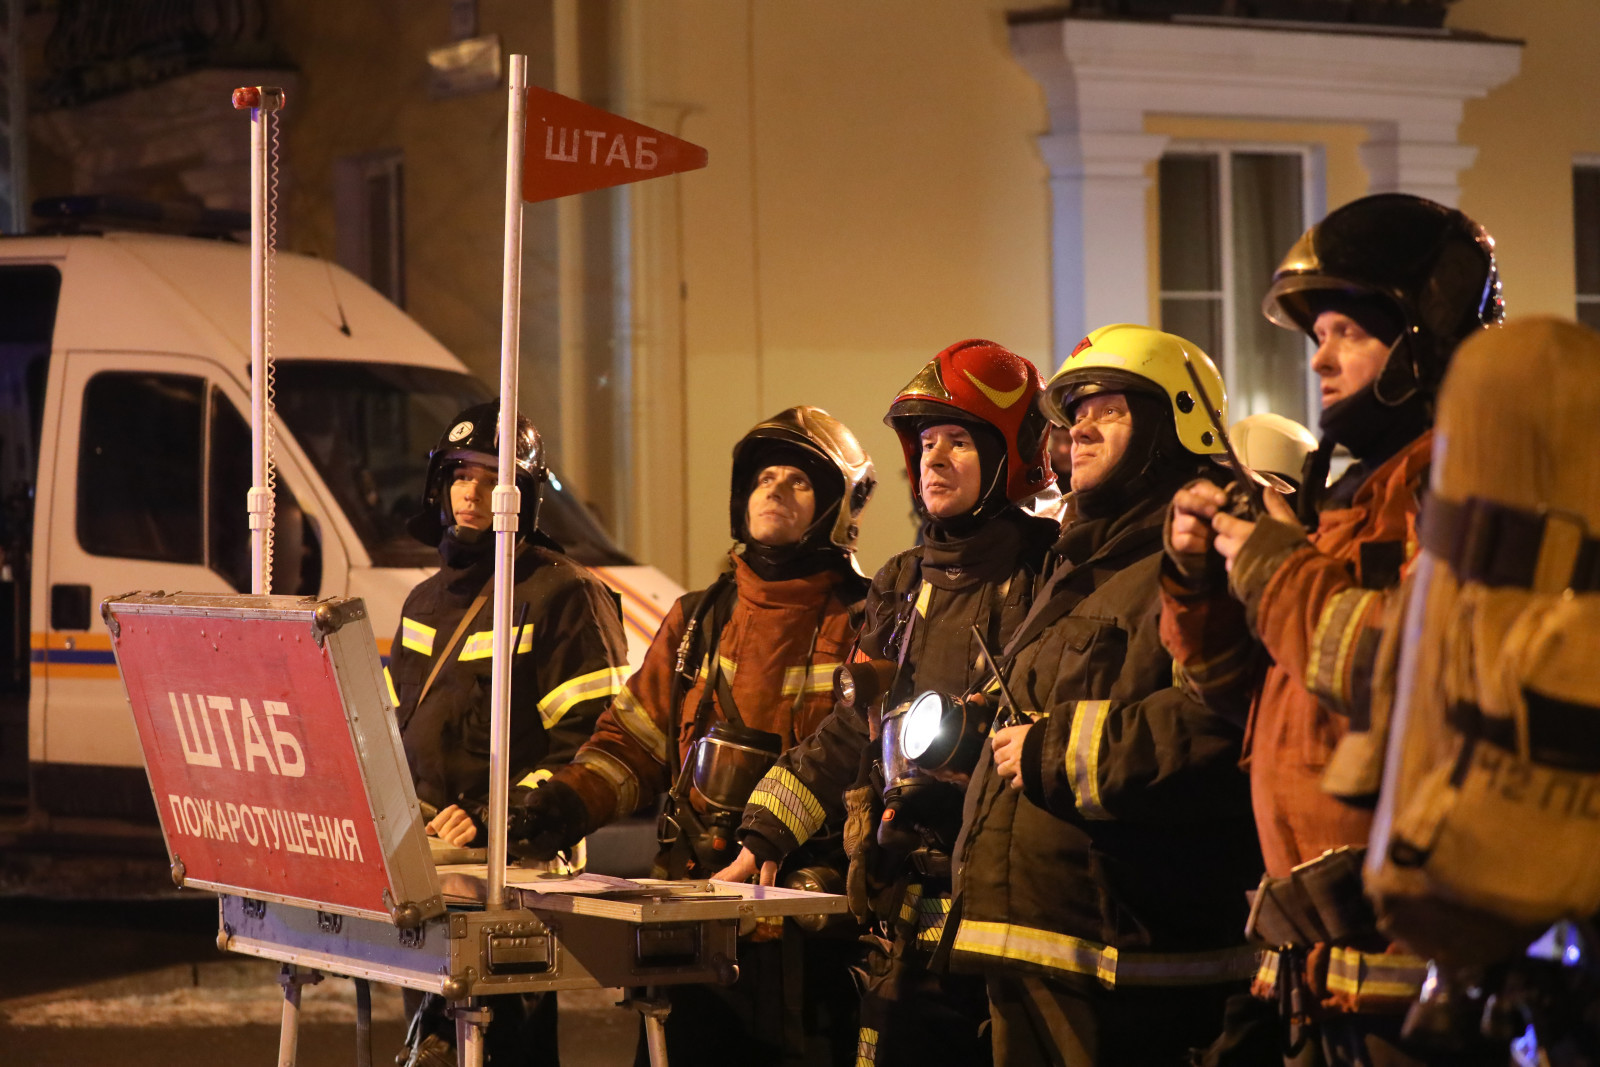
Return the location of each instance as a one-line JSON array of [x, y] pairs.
[[1125, 357]]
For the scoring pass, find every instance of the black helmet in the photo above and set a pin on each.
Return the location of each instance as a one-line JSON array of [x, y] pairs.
[[474, 437], [816, 442], [1429, 264]]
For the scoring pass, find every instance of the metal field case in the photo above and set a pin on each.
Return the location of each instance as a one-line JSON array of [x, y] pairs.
[[272, 751], [569, 933]]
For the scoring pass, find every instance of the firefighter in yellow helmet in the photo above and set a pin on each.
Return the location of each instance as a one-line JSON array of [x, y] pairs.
[[1106, 849]]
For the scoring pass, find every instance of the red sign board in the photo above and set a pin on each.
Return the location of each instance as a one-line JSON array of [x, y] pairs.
[[252, 762], [572, 148]]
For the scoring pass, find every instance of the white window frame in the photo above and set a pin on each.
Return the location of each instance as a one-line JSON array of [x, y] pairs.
[[1313, 204], [352, 211]]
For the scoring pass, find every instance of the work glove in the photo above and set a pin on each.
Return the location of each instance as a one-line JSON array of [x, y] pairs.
[[543, 820]]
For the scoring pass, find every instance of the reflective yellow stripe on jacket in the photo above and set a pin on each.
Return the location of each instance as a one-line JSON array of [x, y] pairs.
[[817, 679], [1062, 952], [1381, 974], [601, 684], [481, 644], [1083, 756], [417, 637], [781, 793]]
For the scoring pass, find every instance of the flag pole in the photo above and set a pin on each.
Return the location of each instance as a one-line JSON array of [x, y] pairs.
[[507, 499]]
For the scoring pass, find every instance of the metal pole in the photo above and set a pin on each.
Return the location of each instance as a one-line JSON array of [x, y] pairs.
[[292, 978], [507, 501], [363, 1023], [472, 1020], [263, 102]]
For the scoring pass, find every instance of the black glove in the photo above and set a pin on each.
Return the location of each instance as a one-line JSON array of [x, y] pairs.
[[544, 820]]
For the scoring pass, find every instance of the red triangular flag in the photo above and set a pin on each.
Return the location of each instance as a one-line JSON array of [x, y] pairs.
[[572, 148]]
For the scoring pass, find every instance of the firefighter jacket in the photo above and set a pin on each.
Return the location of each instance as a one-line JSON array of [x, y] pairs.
[[569, 660], [778, 650], [1295, 645], [920, 610], [1128, 858]]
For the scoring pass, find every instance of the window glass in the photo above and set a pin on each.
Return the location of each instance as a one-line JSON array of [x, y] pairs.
[[368, 428], [139, 457], [1227, 216], [296, 554]]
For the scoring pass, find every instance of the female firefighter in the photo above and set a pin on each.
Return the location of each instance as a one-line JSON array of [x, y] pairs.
[[569, 656]]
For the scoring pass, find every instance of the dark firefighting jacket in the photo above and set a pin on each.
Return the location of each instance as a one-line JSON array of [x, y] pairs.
[[778, 650], [934, 593], [1127, 861], [570, 658]]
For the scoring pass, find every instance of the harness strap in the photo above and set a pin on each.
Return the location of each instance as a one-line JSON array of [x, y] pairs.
[[1498, 545]]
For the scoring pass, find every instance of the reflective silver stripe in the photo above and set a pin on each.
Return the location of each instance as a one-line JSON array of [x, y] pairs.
[[782, 794], [909, 901], [481, 644], [1083, 756], [1267, 973], [1380, 974], [931, 915], [867, 1047], [1334, 644], [818, 679], [617, 774], [417, 637], [596, 685], [729, 667], [636, 722], [1062, 952]]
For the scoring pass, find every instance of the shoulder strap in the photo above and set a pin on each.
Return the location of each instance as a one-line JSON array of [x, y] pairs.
[[466, 620]]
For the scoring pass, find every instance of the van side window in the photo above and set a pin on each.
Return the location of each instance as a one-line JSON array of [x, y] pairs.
[[296, 554], [139, 457]]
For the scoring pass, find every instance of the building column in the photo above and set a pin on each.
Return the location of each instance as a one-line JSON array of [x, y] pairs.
[[1424, 162], [1098, 181]]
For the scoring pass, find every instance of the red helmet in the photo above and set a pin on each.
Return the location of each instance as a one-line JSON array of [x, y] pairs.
[[983, 382]]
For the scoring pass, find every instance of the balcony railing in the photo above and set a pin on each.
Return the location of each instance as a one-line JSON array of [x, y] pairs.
[[98, 48]]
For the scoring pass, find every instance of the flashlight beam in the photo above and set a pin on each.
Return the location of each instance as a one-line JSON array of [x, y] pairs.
[[1014, 717]]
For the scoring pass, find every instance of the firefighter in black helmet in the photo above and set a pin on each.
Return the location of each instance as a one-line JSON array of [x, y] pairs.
[[737, 673], [1279, 617], [569, 657]]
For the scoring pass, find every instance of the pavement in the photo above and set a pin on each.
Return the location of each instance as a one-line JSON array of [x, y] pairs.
[[142, 984]]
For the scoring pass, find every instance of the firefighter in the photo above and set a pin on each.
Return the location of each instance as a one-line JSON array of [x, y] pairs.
[[973, 441], [569, 657], [1279, 616], [1106, 849], [737, 673]]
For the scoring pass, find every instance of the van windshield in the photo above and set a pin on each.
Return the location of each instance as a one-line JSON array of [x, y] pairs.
[[368, 428]]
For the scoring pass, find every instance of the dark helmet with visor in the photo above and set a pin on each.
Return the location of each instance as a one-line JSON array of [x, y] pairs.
[[813, 441], [1428, 265], [474, 437]]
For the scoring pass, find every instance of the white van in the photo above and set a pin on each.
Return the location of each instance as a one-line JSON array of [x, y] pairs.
[[124, 463]]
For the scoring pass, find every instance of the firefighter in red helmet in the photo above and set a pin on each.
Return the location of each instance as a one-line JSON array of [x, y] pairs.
[[974, 443]]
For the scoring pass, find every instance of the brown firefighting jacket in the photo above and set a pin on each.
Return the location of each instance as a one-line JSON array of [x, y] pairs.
[[989, 583], [1127, 860], [1295, 645], [570, 658], [768, 659]]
